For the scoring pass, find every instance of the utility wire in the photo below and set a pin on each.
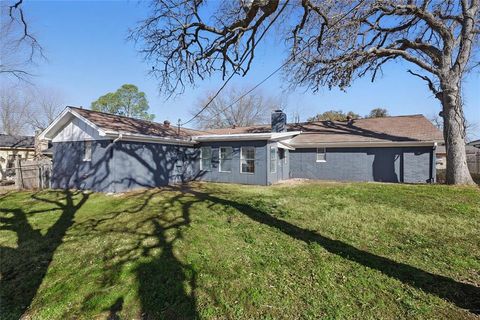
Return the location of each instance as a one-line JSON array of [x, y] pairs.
[[237, 67], [272, 73]]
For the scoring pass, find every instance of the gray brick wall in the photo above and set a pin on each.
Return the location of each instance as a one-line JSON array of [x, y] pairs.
[[412, 164], [123, 166], [235, 176]]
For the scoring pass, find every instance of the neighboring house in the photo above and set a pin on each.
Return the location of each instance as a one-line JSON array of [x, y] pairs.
[[475, 143], [104, 152], [14, 147], [441, 157], [441, 154]]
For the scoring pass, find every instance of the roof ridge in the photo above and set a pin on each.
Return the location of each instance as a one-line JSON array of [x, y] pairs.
[[386, 117], [112, 114], [122, 116]]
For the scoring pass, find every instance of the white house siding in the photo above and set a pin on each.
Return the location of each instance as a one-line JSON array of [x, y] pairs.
[[77, 130]]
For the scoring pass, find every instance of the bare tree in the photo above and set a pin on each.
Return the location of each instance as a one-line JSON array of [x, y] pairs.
[[14, 111], [225, 111], [19, 47], [46, 106], [471, 128], [332, 43]]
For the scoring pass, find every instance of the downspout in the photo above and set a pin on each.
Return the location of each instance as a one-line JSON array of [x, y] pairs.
[[120, 136]]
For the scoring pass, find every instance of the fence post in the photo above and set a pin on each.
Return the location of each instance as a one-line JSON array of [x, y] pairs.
[[39, 174], [18, 174]]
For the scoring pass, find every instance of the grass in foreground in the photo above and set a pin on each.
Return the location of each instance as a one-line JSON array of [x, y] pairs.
[[241, 252]]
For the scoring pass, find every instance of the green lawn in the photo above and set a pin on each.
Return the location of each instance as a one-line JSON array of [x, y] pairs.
[[218, 251]]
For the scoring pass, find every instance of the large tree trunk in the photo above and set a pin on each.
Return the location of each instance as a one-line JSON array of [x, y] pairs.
[[454, 135]]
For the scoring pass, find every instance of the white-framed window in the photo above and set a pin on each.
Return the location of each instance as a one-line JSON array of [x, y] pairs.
[[206, 158], [225, 159], [247, 159], [321, 154], [87, 150], [273, 159]]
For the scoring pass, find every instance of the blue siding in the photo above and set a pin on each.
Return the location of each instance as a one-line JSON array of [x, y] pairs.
[[411, 165], [129, 165], [139, 165], [235, 176], [71, 172], [122, 166]]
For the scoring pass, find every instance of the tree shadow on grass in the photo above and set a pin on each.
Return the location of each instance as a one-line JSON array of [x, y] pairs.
[[463, 295], [23, 268], [166, 285]]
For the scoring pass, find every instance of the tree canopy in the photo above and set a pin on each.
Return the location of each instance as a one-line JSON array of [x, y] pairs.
[[378, 113], [126, 101], [334, 115]]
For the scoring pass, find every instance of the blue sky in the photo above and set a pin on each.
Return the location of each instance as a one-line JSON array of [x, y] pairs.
[[88, 56]]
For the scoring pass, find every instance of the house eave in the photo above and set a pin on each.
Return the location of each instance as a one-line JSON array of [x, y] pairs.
[[358, 144], [61, 120], [269, 136], [126, 136]]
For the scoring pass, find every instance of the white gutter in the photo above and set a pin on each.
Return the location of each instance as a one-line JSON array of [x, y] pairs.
[[364, 144], [283, 145], [126, 136], [245, 136]]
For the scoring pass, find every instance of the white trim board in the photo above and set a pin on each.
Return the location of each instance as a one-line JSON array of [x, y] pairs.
[[389, 144], [126, 136], [77, 128], [71, 126], [274, 136]]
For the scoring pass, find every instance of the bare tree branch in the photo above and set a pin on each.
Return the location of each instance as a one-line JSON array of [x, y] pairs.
[[19, 48], [224, 112], [429, 81], [437, 37]]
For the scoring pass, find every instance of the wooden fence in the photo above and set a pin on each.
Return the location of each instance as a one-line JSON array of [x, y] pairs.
[[473, 162], [33, 174]]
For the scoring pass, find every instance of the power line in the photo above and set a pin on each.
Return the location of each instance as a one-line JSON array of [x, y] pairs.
[[273, 72], [236, 68]]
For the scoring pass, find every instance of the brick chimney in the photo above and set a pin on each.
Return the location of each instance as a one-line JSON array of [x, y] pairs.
[[279, 121]]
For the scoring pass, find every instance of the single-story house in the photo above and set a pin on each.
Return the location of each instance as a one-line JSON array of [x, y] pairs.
[[441, 157], [14, 147], [474, 143], [111, 153], [441, 154]]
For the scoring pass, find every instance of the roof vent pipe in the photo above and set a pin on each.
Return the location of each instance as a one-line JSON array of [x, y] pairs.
[[279, 121]]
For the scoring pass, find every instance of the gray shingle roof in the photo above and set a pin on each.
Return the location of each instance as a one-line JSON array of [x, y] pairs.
[[395, 128], [117, 123]]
